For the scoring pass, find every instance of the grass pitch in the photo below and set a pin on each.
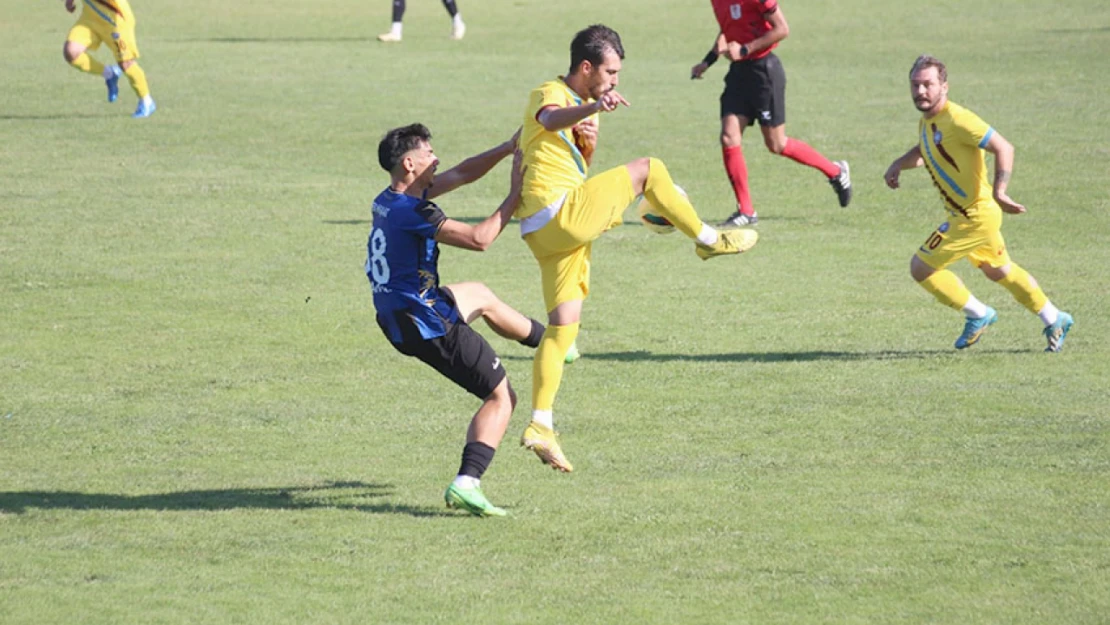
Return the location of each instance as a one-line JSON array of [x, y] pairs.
[[200, 422]]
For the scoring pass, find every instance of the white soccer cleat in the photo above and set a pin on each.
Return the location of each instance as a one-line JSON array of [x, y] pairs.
[[458, 30]]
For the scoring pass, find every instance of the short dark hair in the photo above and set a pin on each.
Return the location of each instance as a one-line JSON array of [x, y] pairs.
[[592, 43], [400, 141], [925, 62]]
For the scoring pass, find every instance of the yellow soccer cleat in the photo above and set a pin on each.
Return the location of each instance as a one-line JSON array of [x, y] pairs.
[[544, 442], [728, 242]]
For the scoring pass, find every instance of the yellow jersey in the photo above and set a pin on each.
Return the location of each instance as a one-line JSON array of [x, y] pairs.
[[555, 162], [951, 144]]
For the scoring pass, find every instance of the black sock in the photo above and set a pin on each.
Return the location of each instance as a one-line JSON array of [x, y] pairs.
[[475, 459], [452, 10], [533, 339], [398, 10]]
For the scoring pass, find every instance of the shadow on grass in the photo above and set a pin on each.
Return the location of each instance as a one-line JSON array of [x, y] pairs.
[[54, 117], [281, 40], [644, 355], [334, 495], [366, 222]]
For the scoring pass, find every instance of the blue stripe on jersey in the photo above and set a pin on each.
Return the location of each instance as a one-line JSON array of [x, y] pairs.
[[936, 166], [579, 160], [104, 16], [986, 138]]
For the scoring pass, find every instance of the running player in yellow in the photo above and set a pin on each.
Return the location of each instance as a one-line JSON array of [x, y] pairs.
[[111, 22], [562, 211], [951, 140]]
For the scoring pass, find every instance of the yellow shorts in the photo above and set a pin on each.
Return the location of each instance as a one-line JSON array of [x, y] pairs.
[[562, 246], [94, 28], [979, 240]]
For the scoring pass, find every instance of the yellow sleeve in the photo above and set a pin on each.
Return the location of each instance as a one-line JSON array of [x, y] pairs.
[[972, 130]]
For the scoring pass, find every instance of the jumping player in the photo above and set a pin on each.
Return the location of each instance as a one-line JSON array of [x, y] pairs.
[[111, 22]]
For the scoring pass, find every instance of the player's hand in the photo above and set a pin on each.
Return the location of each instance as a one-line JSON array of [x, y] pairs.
[[733, 52], [610, 100], [891, 176], [1007, 204], [697, 70], [585, 133], [71, 5]]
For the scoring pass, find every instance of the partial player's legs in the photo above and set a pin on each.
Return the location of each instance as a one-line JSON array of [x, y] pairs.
[[1029, 294], [774, 137], [732, 130], [949, 290], [458, 27], [126, 49], [482, 438], [394, 34], [650, 177], [82, 38], [475, 300]]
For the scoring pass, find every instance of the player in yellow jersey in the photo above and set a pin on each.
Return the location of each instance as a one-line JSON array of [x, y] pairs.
[[950, 145], [111, 22], [563, 210]]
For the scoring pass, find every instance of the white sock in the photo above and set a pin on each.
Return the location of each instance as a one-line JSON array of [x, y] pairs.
[[466, 481], [974, 309], [147, 99], [395, 29], [708, 234], [543, 417], [1049, 314], [111, 71], [457, 19]]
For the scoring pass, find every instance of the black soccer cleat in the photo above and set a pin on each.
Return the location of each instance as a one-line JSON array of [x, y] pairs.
[[842, 184]]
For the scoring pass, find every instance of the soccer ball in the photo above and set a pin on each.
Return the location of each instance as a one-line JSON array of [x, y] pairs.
[[651, 219]]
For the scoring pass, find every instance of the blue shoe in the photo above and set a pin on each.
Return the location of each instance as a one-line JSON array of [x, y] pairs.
[[974, 328], [1057, 332], [113, 83], [146, 108]]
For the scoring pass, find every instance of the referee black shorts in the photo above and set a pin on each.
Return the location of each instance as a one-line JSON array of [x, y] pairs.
[[461, 355], [756, 90]]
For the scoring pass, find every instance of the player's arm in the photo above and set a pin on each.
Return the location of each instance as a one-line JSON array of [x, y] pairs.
[[720, 46], [481, 235], [471, 169], [554, 118], [1003, 152], [910, 160], [779, 31]]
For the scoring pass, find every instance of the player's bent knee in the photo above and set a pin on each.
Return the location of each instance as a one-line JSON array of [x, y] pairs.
[[71, 51], [995, 274], [919, 271]]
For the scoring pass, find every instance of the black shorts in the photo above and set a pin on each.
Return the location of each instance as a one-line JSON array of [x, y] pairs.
[[462, 356], [756, 90]]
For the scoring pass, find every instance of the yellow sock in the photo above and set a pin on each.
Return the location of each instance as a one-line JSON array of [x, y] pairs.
[[947, 288], [1024, 288], [660, 191], [88, 64], [547, 366], [137, 77]]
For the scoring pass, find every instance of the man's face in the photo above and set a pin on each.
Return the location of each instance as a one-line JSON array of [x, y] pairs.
[[928, 92], [604, 77], [421, 162]]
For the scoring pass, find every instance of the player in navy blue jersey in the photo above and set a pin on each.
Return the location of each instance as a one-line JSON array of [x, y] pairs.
[[429, 321]]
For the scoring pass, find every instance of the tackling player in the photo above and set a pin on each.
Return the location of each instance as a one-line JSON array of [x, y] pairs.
[[111, 22], [562, 211], [428, 321], [950, 144], [755, 89]]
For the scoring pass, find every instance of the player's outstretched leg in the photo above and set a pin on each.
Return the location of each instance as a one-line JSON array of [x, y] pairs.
[[659, 189], [547, 375]]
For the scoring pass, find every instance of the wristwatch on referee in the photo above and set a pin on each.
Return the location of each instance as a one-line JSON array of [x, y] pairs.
[[744, 50]]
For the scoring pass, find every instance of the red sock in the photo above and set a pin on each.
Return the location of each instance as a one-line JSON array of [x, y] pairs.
[[737, 171], [801, 152]]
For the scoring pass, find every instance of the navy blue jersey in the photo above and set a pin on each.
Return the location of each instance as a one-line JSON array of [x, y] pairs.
[[402, 265]]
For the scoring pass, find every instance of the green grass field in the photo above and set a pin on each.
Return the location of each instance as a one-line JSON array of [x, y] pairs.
[[201, 423]]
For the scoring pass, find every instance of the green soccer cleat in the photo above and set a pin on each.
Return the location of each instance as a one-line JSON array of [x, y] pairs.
[[572, 354], [472, 500]]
